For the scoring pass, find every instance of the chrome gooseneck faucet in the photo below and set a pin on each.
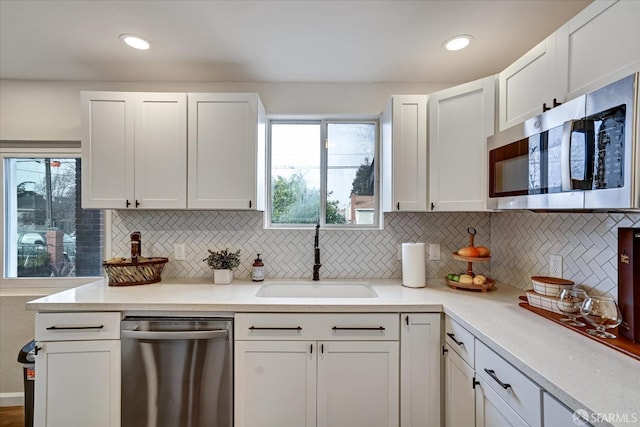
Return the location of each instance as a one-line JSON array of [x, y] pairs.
[[316, 255]]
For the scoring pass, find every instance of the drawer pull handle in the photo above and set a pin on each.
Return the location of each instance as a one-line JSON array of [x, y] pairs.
[[261, 328], [364, 328], [453, 337], [72, 328], [492, 374]]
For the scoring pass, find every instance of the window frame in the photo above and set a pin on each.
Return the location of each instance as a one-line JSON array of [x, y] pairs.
[[36, 149], [324, 121]]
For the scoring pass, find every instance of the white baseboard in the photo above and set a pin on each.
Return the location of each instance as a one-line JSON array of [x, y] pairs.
[[12, 399]]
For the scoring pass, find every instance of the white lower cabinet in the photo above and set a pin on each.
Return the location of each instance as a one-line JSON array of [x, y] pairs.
[[555, 414], [420, 367], [275, 383], [347, 376], [77, 370], [492, 411], [357, 384], [482, 389], [459, 390]]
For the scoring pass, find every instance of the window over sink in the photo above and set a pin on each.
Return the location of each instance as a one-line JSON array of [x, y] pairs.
[[47, 234], [323, 171]]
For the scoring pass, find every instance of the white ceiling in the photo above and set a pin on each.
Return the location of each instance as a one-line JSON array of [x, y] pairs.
[[271, 41]]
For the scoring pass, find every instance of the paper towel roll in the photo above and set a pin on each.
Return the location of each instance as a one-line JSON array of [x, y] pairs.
[[413, 265]]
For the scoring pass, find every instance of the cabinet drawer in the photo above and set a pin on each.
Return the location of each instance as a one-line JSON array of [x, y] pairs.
[[460, 340], [330, 327], [77, 326], [518, 391]]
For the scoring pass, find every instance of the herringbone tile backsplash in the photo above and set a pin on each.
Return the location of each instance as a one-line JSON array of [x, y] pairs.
[[521, 243], [353, 254]]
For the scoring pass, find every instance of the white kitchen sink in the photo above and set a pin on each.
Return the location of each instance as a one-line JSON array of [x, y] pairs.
[[310, 289]]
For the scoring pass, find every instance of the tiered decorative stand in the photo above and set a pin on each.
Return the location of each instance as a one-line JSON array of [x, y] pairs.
[[470, 260]]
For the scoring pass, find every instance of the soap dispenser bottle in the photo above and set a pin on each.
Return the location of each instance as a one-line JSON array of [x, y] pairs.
[[257, 274]]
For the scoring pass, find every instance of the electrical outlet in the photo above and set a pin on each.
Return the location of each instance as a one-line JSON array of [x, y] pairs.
[[434, 251], [179, 252], [555, 265]]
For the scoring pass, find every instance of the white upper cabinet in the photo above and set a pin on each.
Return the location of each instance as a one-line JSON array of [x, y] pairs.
[[460, 120], [529, 83], [600, 45], [226, 151], [149, 151], [107, 149], [160, 150], [404, 154], [133, 150]]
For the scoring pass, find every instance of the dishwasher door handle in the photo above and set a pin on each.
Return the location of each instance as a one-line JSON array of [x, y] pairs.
[[176, 335]]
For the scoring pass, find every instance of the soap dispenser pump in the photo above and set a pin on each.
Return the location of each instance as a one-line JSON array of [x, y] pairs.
[[257, 274]]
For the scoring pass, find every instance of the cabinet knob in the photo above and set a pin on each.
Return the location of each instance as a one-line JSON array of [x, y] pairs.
[[556, 103], [398, 205], [128, 203], [137, 203], [433, 206], [545, 108]]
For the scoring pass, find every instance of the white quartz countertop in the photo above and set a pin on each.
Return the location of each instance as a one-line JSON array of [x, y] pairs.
[[580, 372]]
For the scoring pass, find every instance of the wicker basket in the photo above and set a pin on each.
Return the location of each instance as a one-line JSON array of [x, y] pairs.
[[127, 273]]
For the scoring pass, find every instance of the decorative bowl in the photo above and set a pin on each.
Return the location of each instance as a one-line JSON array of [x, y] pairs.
[[550, 286]]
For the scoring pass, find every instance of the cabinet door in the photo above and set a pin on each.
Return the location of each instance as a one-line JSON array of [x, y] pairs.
[[226, 133], [555, 414], [404, 154], [420, 370], [459, 394], [600, 45], [107, 150], [275, 383], [78, 384], [460, 120], [161, 150], [358, 384], [492, 411], [528, 83]]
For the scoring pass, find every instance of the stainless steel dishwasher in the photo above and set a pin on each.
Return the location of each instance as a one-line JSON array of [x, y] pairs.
[[177, 372]]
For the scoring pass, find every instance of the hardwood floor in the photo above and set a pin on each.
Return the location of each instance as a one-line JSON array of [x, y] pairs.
[[12, 416]]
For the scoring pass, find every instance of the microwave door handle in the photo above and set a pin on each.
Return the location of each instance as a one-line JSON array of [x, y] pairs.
[[565, 155]]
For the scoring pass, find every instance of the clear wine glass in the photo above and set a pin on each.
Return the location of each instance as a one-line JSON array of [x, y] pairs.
[[603, 313], [569, 302]]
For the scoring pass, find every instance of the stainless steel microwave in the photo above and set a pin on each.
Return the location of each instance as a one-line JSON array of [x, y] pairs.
[[583, 154]]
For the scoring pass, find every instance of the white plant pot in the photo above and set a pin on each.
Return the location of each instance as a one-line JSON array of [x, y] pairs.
[[222, 277]]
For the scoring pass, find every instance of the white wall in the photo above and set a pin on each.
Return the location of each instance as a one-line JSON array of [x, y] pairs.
[[50, 110]]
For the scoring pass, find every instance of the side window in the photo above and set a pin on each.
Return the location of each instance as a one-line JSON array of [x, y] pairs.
[[47, 232], [324, 171]]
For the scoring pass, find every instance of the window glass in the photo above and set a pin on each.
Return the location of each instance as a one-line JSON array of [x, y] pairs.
[[295, 173], [323, 171], [49, 234], [350, 173]]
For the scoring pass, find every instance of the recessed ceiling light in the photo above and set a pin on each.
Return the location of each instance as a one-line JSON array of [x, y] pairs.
[[136, 42], [458, 42]]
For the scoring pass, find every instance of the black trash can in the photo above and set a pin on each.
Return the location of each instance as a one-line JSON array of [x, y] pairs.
[[27, 358]]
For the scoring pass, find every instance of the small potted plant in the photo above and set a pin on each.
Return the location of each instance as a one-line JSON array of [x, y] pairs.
[[223, 263]]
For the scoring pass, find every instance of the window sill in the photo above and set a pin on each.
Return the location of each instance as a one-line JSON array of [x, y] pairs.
[[41, 286]]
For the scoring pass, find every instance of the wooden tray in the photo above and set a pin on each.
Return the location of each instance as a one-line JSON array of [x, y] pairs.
[[470, 258], [621, 344], [485, 287]]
